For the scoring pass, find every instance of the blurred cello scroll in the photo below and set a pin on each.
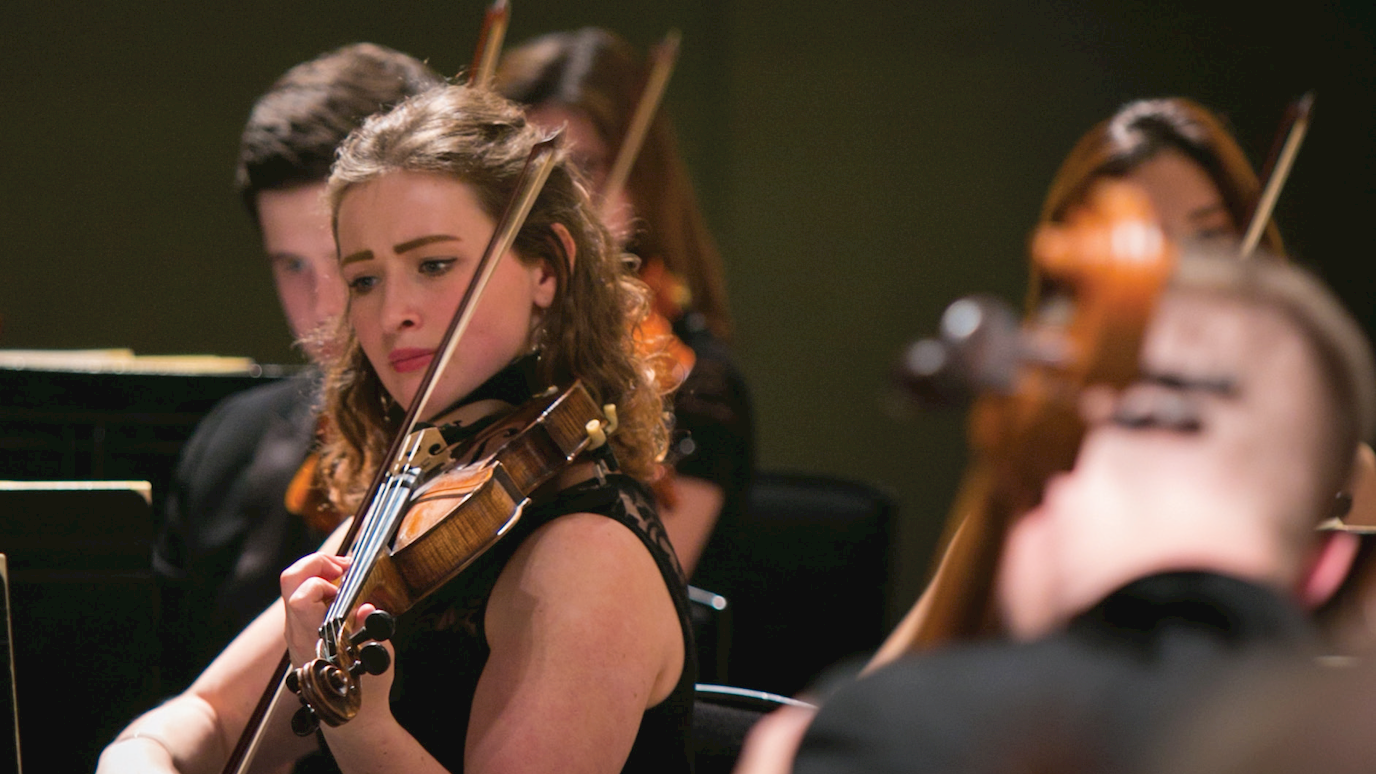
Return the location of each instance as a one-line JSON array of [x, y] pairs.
[[1101, 274]]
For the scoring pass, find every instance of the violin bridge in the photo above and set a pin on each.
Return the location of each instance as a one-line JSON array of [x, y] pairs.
[[423, 449]]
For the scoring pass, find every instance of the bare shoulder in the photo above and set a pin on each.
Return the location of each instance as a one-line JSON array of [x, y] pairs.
[[587, 582], [586, 546]]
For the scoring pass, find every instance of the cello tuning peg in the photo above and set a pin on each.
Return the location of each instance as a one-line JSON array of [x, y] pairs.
[[305, 722], [926, 375], [982, 334], [294, 681]]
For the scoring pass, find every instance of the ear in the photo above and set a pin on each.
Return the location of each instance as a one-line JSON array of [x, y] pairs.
[[547, 280], [1328, 570]]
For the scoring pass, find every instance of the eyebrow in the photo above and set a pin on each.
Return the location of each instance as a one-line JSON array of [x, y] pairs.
[[1222, 385], [361, 255], [425, 240], [367, 255]]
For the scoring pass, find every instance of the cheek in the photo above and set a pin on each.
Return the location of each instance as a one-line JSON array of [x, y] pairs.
[[293, 284], [361, 321]]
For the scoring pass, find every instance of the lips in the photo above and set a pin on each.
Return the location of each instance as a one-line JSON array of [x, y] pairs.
[[408, 359]]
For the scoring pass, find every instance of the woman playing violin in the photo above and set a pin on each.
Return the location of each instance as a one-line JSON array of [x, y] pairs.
[[564, 646]]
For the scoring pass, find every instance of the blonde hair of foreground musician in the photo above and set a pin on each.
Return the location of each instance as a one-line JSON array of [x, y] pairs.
[[586, 640]]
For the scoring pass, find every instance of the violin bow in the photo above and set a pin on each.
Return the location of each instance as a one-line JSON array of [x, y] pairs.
[[1281, 161], [662, 61], [489, 45], [529, 184]]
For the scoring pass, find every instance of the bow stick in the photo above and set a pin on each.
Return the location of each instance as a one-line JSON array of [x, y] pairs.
[[1282, 161], [489, 45], [662, 61]]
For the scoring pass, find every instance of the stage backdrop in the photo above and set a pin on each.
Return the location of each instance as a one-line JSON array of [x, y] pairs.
[[862, 163]]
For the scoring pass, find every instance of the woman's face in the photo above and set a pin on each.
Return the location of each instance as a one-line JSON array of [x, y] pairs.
[[591, 154], [409, 243], [1185, 198]]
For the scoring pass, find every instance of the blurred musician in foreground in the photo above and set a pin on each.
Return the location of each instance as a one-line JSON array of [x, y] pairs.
[[1182, 539], [1201, 187], [1204, 189], [589, 81], [241, 508]]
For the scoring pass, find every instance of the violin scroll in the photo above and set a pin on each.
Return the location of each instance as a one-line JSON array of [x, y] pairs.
[[327, 687]]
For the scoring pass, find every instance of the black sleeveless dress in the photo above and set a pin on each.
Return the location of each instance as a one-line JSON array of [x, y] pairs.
[[442, 647]]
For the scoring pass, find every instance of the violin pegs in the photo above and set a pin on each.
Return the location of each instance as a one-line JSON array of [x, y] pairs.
[[305, 722], [294, 681], [379, 625], [373, 659]]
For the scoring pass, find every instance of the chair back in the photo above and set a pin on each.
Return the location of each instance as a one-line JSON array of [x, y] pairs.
[[806, 573]]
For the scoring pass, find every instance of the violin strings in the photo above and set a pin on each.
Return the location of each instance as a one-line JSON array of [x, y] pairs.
[[379, 523]]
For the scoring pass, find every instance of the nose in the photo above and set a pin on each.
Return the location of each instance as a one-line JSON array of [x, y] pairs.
[[400, 307]]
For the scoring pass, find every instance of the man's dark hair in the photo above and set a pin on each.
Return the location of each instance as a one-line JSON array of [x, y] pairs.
[[295, 127]]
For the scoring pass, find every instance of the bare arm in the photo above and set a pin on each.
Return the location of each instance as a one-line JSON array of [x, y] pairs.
[[193, 733], [691, 520]]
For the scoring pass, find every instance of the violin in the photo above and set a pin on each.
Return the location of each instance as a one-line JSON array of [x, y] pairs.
[[446, 502], [1101, 274]]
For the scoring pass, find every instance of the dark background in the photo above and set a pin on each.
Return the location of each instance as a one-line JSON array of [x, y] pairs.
[[861, 168]]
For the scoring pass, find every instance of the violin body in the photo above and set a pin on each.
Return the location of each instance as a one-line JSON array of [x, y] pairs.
[[463, 498], [480, 493]]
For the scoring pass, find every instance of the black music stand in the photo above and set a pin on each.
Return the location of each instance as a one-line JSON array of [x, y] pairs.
[[84, 611]]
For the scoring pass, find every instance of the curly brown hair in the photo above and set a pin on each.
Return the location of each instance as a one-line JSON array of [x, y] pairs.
[[477, 138]]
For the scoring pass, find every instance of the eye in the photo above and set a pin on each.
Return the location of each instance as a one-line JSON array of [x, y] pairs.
[[290, 264], [362, 284], [1144, 408], [434, 267]]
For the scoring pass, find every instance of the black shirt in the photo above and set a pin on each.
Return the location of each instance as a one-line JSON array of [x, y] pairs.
[[1090, 698], [227, 534]]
